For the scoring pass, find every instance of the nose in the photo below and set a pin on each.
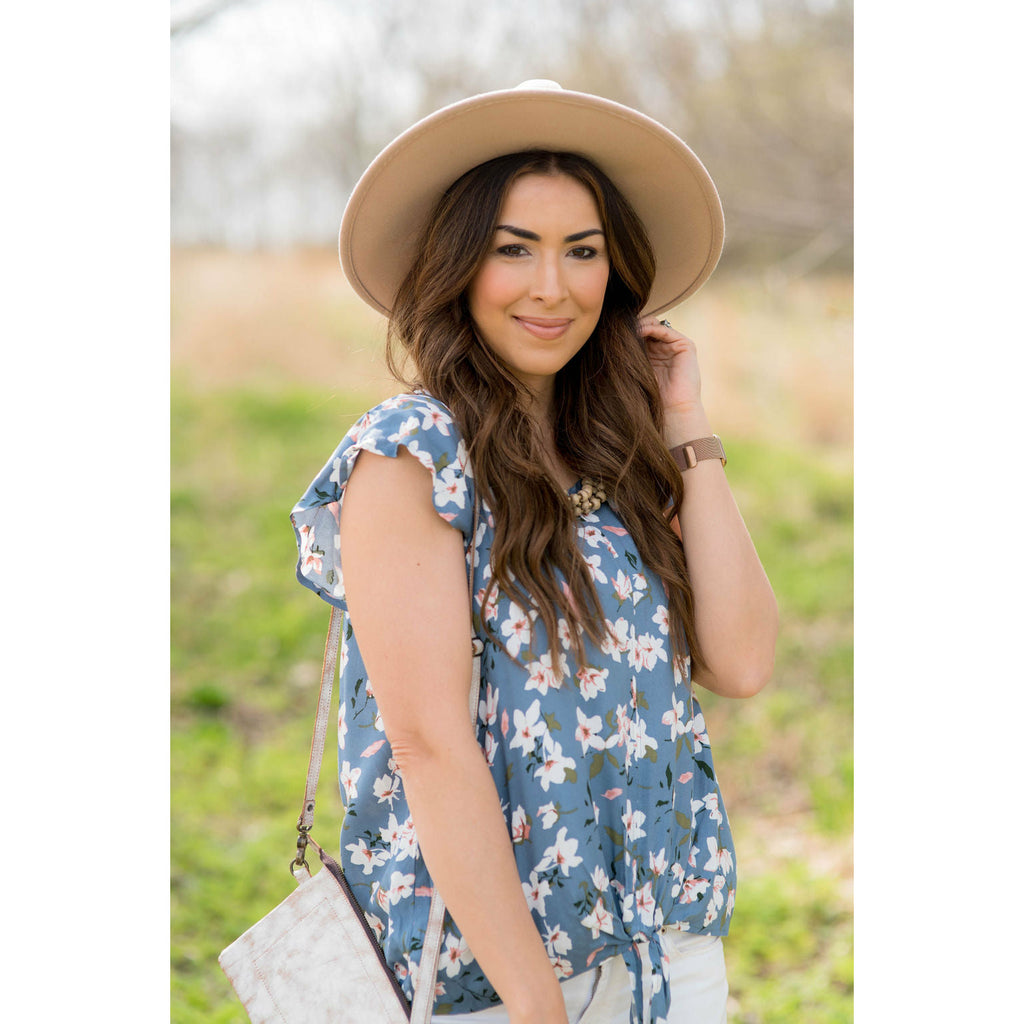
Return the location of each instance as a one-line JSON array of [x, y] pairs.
[[548, 283]]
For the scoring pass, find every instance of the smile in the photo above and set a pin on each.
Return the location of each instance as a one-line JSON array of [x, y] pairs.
[[545, 328]]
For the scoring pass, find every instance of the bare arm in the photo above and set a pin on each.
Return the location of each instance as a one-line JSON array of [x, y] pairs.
[[405, 581], [737, 616]]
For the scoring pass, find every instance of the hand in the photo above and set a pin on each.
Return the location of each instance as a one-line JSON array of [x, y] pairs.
[[673, 357]]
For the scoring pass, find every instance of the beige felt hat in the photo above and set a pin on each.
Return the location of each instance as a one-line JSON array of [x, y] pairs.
[[657, 172]]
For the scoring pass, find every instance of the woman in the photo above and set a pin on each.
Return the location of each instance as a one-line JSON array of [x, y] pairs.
[[522, 243]]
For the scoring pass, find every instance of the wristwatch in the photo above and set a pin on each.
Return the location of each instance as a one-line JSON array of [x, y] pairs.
[[688, 455]]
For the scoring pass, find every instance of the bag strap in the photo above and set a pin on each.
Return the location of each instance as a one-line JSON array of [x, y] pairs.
[[431, 950]]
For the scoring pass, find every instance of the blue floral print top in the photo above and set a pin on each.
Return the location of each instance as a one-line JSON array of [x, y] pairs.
[[605, 777]]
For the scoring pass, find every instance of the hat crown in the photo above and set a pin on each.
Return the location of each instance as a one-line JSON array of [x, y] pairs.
[[539, 83]]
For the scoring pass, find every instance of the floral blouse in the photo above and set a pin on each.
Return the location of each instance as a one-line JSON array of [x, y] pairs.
[[606, 778]]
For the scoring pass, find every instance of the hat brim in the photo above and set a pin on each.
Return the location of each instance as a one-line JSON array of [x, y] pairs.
[[656, 171]]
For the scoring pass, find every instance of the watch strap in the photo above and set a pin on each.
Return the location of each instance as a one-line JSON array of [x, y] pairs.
[[687, 455]]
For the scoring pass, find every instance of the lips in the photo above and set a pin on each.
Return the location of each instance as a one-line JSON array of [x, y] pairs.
[[547, 328]]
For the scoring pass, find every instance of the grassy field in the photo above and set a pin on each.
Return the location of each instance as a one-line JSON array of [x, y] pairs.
[[272, 360]]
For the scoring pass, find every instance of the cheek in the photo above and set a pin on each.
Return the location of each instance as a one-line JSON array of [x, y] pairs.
[[492, 289], [590, 292]]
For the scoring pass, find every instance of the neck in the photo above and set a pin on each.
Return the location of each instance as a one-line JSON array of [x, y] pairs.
[[542, 406]]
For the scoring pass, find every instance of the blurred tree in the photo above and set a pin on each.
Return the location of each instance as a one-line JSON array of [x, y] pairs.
[[761, 89], [765, 100], [186, 17]]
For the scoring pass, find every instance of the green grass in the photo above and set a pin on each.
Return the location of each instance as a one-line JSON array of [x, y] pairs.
[[246, 645]]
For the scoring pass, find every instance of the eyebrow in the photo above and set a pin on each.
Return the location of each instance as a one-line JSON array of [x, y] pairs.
[[534, 237]]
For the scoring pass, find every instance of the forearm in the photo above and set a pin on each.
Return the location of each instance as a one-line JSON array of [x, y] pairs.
[[466, 845], [736, 613]]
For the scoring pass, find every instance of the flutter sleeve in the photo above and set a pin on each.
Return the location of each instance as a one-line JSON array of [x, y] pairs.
[[425, 428]]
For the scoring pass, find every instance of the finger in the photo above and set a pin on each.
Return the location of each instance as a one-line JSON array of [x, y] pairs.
[[660, 330]]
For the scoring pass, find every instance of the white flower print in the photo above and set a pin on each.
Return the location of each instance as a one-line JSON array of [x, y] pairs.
[[681, 673], [488, 710], [366, 856], [376, 924], [400, 838], [405, 431], [599, 878], [563, 634], [591, 681], [401, 887], [587, 731], [462, 457], [517, 628], [342, 653], [594, 561], [716, 891], [645, 904], [542, 673], [718, 859], [639, 586], [528, 726], [434, 419], [349, 779], [490, 748], [342, 726], [379, 895], [639, 741], [711, 803], [623, 586], [646, 652], [658, 862], [536, 891], [699, 730], [660, 619], [674, 718], [632, 820], [520, 825], [626, 908], [622, 727], [386, 789], [692, 888], [489, 610], [557, 941], [599, 920], [455, 955], [312, 561], [616, 643], [555, 765], [450, 486], [561, 853], [561, 967], [548, 814]]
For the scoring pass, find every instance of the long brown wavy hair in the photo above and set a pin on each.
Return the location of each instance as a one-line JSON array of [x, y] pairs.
[[607, 408]]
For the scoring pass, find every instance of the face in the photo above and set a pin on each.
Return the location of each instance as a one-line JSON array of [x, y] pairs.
[[538, 295]]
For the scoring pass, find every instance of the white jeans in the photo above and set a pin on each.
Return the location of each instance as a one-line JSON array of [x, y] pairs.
[[604, 996]]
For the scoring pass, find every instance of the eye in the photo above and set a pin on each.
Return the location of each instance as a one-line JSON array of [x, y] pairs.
[[512, 249], [583, 252]]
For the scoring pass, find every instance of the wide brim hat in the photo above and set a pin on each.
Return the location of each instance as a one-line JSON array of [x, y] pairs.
[[655, 170]]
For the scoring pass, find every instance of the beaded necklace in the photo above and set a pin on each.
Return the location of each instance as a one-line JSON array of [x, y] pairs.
[[588, 498]]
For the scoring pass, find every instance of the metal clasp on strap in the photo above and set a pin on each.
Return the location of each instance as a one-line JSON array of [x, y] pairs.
[[299, 863]]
